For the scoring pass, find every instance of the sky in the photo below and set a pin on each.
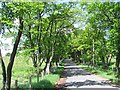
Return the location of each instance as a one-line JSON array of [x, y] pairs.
[[7, 46]]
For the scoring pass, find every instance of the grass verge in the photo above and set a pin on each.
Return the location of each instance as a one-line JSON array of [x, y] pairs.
[[108, 74], [23, 69], [48, 82]]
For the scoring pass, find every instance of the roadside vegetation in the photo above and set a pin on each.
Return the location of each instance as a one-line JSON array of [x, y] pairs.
[[97, 47], [23, 70]]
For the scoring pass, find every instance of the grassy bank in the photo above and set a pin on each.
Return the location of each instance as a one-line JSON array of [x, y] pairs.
[[23, 69], [48, 81], [108, 74]]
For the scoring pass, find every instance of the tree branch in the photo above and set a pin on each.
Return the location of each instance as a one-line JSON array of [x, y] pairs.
[[108, 18]]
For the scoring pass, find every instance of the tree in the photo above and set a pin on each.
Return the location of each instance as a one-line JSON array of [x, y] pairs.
[[108, 21], [7, 73]]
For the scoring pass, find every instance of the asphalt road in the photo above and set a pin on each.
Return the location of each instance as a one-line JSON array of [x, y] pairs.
[[79, 79]]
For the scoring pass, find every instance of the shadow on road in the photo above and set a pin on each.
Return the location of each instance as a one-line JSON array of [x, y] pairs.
[[85, 83], [72, 70], [78, 79], [69, 72]]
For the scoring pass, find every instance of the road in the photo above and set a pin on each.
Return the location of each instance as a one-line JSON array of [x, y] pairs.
[[79, 79]]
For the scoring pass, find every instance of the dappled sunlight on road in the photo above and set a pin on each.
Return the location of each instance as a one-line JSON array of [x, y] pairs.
[[79, 78]]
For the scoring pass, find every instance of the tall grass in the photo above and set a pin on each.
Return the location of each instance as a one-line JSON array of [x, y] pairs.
[[23, 69]]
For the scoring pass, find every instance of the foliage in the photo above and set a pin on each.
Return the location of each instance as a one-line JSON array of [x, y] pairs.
[[97, 44], [49, 34]]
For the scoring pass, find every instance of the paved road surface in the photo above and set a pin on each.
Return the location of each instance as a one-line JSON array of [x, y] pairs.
[[79, 79]]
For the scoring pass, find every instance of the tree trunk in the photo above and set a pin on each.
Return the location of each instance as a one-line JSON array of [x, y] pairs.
[[49, 60], [118, 64], [40, 63], [103, 60], [118, 61], [39, 35], [34, 59], [47, 68], [49, 65], [12, 57], [3, 70], [57, 63], [118, 53], [93, 61], [109, 58]]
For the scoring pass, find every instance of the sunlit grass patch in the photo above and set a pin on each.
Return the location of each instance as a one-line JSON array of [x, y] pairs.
[[52, 78], [47, 82]]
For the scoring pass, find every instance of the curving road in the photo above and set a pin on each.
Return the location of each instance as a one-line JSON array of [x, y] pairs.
[[78, 79]]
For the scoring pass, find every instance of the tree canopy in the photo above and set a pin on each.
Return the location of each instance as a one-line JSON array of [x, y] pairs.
[[51, 31]]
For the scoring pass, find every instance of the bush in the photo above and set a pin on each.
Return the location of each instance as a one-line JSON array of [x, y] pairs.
[[43, 84]]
